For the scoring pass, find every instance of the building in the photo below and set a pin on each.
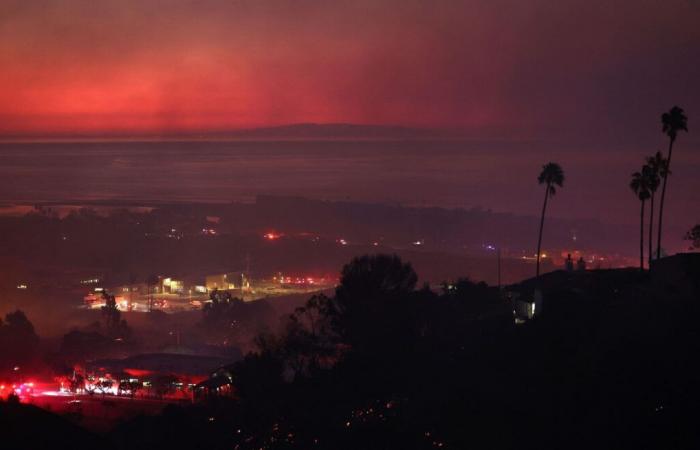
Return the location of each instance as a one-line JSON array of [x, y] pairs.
[[525, 305], [152, 375], [171, 286], [219, 384], [219, 281]]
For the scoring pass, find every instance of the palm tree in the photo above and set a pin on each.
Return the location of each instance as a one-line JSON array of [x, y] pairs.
[[673, 121], [640, 187], [657, 170], [552, 175]]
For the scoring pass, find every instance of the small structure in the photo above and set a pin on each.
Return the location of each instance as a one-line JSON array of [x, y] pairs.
[[525, 306], [171, 286], [219, 281], [219, 384]]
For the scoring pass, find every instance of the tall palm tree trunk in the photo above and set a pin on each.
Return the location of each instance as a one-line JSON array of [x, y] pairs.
[[641, 240], [539, 240], [651, 229], [663, 198]]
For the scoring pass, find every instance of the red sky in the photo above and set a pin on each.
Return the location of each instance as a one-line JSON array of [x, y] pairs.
[[498, 68]]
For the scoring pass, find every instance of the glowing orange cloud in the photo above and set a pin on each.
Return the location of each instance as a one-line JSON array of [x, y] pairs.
[[156, 66]]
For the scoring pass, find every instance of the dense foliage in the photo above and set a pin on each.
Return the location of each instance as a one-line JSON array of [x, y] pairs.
[[19, 344], [608, 364]]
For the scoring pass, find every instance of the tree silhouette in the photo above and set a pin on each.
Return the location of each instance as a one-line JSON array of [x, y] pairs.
[[372, 276], [640, 187], [658, 169], [259, 380], [309, 337], [371, 286], [673, 121], [231, 320], [115, 326], [19, 343], [694, 237], [110, 312], [552, 175], [446, 360]]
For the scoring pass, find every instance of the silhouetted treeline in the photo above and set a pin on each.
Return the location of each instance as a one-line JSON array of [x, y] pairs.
[[608, 363], [19, 346], [229, 321], [655, 173]]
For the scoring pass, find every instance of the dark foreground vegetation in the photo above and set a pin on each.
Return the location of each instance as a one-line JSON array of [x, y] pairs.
[[609, 362]]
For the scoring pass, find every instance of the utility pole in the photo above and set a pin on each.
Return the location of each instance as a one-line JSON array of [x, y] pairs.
[[498, 256]]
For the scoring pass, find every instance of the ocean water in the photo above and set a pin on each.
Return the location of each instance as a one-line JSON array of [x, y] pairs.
[[496, 175]]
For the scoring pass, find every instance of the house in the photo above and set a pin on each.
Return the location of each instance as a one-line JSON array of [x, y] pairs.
[[526, 305]]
